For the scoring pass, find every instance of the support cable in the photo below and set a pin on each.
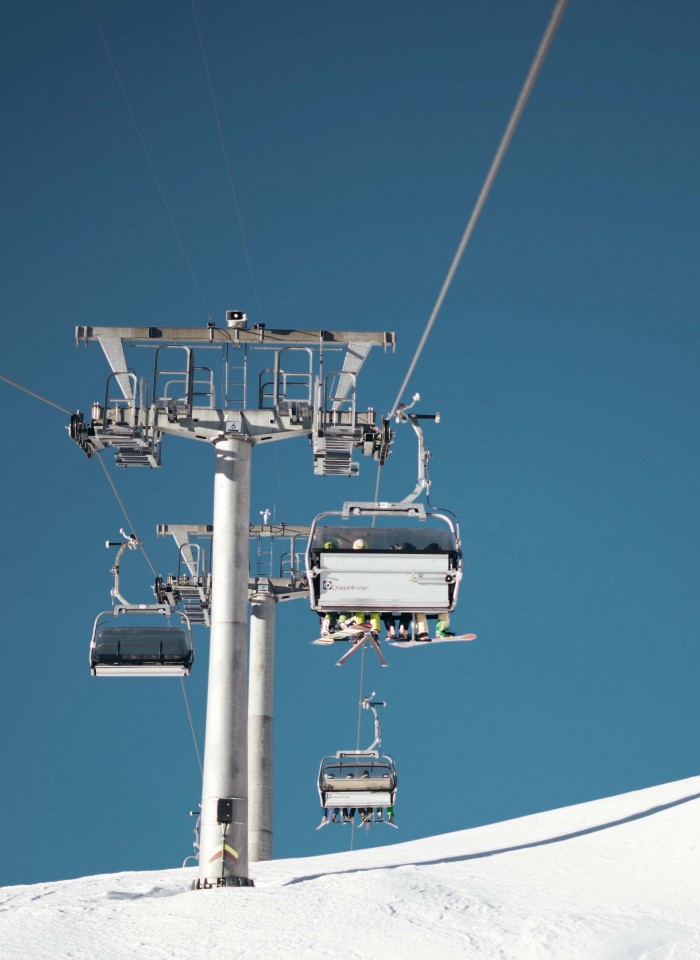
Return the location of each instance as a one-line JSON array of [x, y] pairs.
[[37, 395], [148, 159], [359, 722], [126, 514], [359, 702], [189, 717], [155, 574], [227, 161], [521, 102]]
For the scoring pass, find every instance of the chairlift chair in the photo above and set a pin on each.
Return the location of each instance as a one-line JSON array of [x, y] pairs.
[[341, 780], [360, 778], [414, 566], [141, 649]]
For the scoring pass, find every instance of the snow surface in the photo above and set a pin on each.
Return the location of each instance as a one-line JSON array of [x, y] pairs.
[[614, 879]]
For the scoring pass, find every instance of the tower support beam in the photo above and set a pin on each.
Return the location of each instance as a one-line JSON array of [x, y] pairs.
[[260, 732]]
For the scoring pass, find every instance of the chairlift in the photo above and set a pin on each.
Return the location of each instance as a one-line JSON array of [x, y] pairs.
[[364, 564], [359, 778], [342, 781], [140, 650]]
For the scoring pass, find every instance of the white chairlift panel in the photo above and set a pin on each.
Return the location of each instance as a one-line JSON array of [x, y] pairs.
[[384, 582], [400, 569], [358, 798]]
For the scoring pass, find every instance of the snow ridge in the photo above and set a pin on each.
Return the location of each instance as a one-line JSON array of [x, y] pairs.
[[613, 879]]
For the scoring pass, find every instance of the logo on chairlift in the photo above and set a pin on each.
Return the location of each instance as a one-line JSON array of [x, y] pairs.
[[330, 585]]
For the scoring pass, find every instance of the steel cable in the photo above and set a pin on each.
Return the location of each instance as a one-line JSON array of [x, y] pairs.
[[359, 722], [149, 160], [228, 163], [189, 717], [38, 396], [511, 127], [57, 406]]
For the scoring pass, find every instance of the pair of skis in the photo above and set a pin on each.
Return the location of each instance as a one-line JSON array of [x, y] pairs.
[[362, 823], [366, 630]]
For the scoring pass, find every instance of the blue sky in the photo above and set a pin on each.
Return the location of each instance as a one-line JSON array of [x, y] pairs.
[[564, 365]]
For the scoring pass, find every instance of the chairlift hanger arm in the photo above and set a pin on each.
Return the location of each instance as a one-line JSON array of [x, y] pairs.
[[368, 704], [424, 455], [131, 543]]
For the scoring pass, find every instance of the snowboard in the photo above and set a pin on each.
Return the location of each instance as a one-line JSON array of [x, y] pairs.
[[462, 638]]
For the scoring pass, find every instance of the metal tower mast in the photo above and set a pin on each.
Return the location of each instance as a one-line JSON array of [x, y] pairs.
[[295, 397], [266, 590], [276, 579]]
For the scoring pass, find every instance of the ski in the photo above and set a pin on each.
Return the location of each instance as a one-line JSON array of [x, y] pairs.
[[367, 823], [322, 824]]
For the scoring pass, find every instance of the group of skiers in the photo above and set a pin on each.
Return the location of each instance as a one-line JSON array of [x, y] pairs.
[[367, 814], [339, 623]]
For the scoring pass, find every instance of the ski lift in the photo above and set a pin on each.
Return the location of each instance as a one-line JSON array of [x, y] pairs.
[[359, 778], [415, 566], [121, 650]]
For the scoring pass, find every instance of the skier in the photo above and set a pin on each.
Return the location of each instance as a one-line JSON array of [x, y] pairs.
[[442, 630], [362, 617], [389, 622], [329, 813], [349, 812], [421, 620], [332, 622], [366, 812]]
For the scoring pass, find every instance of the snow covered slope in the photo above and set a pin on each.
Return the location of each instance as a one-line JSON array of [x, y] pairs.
[[615, 879]]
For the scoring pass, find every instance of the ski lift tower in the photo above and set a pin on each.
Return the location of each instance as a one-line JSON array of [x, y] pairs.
[[306, 390], [272, 579]]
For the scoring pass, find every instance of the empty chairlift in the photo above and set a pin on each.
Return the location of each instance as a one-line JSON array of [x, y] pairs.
[[125, 641], [139, 651]]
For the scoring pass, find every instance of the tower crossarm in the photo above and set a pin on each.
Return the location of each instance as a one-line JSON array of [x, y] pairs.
[[198, 386], [190, 588], [258, 334]]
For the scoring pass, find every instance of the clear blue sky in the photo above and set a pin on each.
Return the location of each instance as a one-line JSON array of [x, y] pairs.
[[565, 365]]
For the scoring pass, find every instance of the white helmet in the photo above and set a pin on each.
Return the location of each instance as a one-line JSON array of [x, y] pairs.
[[359, 544]]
